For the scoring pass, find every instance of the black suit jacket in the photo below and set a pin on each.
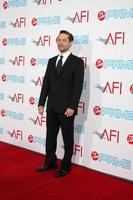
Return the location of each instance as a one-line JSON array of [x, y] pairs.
[[63, 91]]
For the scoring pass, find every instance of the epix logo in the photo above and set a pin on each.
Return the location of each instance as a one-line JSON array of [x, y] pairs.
[[115, 14], [94, 155], [114, 64], [81, 39], [14, 3], [33, 100], [13, 78], [45, 21], [131, 89], [12, 114], [114, 113], [14, 41], [39, 62], [97, 110], [5, 5], [130, 138], [111, 160], [36, 140]]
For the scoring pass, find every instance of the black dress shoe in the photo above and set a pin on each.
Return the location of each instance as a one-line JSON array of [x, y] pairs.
[[61, 173], [46, 168]]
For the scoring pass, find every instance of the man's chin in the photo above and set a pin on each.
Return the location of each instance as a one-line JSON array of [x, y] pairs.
[[62, 50]]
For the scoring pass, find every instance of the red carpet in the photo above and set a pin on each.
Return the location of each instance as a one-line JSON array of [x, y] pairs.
[[20, 181]]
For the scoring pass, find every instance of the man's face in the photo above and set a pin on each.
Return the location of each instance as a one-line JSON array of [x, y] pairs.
[[63, 42]]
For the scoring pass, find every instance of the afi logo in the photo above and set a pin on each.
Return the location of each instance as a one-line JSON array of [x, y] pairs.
[[78, 149], [118, 37], [112, 87], [39, 81], [43, 41], [18, 60], [85, 61], [17, 134], [111, 134], [44, 2], [20, 22], [81, 105], [82, 16], [19, 98], [40, 120], [94, 156]]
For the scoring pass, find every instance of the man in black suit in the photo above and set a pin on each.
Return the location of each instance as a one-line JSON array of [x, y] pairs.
[[63, 86]]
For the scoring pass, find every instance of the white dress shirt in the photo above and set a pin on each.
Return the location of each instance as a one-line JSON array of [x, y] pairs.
[[65, 56]]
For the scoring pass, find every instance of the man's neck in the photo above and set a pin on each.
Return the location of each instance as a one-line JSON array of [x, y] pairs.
[[66, 52]]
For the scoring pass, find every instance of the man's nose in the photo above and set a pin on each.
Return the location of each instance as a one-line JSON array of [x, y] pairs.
[[61, 42]]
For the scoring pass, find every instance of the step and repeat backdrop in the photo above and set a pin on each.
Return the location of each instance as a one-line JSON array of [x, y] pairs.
[[103, 38]]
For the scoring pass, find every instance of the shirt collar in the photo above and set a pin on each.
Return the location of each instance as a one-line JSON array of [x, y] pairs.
[[66, 54]]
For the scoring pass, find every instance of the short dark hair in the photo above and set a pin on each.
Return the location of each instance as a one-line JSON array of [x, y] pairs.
[[70, 36]]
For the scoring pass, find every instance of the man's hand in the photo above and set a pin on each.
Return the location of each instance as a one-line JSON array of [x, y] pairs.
[[69, 112], [41, 110]]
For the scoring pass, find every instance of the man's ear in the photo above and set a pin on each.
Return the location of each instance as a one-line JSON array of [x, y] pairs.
[[56, 39], [71, 44]]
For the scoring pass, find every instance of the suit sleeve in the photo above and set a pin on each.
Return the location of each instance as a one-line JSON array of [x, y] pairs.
[[77, 85], [45, 88]]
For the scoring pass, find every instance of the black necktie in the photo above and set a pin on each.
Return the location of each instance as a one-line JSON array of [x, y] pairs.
[[59, 65]]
